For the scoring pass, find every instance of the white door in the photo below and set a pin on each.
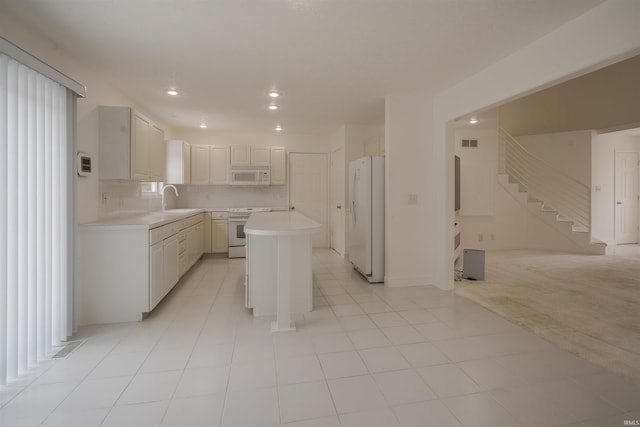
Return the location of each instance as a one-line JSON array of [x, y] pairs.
[[626, 198], [308, 190], [337, 207]]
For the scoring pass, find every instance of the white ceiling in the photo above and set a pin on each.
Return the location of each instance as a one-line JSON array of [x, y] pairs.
[[334, 61]]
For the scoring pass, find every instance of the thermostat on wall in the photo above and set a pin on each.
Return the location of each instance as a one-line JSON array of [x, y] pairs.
[[84, 164]]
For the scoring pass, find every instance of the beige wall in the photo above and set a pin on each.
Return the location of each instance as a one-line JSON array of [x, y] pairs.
[[607, 98]]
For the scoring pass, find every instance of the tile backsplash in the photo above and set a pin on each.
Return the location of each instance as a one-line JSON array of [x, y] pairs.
[[128, 196], [226, 196], [120, 197]]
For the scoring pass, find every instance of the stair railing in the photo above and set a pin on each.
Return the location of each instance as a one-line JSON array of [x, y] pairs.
[[556, 190]]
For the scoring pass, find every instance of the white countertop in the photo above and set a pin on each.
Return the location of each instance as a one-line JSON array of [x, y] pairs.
[[146, 220], [280, 224]]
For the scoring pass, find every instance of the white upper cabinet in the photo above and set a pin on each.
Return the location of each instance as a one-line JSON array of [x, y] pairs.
[[219, 164], [240, 156], [200, 164], [209, 164], [278, 166], [244, 155], [178, 162], [131, 146], [260, 156]]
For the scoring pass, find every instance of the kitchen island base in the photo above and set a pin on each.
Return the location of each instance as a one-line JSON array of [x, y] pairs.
[[279, 260]]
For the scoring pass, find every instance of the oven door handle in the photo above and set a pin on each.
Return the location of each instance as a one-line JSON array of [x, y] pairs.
[[238, 219]]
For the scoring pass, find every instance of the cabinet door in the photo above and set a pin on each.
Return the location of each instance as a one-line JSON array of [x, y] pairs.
[[178, 162], [260, 156], [206, 223], [219, 165], [199, 164], [140, 148], [171, 263], [114, 139], [199, 246], [157, 153], [192, 245], [278, 166], [156, 274], [219, 236], [241, 156]]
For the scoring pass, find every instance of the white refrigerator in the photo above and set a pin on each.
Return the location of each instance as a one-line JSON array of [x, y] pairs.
[[366, 217]]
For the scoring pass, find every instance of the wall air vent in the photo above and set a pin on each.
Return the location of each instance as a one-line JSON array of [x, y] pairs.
[[469, 143]]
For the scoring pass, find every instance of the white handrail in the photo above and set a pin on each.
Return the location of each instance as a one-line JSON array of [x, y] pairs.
[[556, 190]]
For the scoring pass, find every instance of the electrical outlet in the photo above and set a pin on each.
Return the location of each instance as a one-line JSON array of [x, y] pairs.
[[493, 236], [413, 199], [480, 237]]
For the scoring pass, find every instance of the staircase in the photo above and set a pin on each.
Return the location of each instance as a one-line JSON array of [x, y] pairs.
[[561, 201]]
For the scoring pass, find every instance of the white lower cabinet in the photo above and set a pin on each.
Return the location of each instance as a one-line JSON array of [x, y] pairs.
[[156, 273], [125, 272], [194, 243], [219, 232], [172, 271]]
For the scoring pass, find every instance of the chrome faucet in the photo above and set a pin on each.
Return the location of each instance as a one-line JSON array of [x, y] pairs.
[[164, 188]]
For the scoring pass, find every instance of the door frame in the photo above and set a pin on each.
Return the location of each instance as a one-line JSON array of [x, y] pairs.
[[341, 248]]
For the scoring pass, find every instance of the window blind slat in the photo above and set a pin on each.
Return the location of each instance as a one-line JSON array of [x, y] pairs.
[[4, 144]]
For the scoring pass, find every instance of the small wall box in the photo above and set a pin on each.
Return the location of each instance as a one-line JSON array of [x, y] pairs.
[[84, 164]]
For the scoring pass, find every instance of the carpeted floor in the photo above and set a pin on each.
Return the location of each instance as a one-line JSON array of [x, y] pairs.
[[586, 304]]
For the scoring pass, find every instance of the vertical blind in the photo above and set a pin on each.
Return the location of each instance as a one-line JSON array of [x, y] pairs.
[[36, 216]]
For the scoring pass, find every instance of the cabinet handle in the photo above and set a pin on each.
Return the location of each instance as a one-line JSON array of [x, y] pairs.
[[339, 207], [293, 208]]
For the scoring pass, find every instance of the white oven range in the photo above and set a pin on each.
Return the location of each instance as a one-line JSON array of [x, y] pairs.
[[237, 239]]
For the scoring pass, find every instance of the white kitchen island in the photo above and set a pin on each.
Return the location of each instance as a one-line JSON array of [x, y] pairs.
[[278, 280]]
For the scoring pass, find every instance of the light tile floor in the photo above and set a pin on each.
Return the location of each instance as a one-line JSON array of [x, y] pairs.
[[365, 356]]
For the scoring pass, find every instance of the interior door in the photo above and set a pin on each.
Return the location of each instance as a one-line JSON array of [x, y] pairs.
[[308, 190], [626, 197], [337, 206]]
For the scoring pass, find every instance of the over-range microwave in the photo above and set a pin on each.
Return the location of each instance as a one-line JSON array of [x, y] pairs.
[[250, 175]]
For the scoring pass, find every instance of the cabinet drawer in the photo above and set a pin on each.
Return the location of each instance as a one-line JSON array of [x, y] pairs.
[[172, 228], [156, 235], [219, 215]]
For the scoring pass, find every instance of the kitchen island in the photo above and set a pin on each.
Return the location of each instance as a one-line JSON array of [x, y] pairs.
[[278, 280]]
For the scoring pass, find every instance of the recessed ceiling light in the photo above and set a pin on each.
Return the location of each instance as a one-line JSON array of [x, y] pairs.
[[473, 120], [278, 128], [274, 94], [203, 125], [273, 107], [173, 92]]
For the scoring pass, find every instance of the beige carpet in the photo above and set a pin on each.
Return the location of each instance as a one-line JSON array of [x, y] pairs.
[[586, 304]]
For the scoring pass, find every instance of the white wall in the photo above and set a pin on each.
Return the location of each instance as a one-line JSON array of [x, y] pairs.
[[489, 216], [407, 227], [478, 169], [604, 147]]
